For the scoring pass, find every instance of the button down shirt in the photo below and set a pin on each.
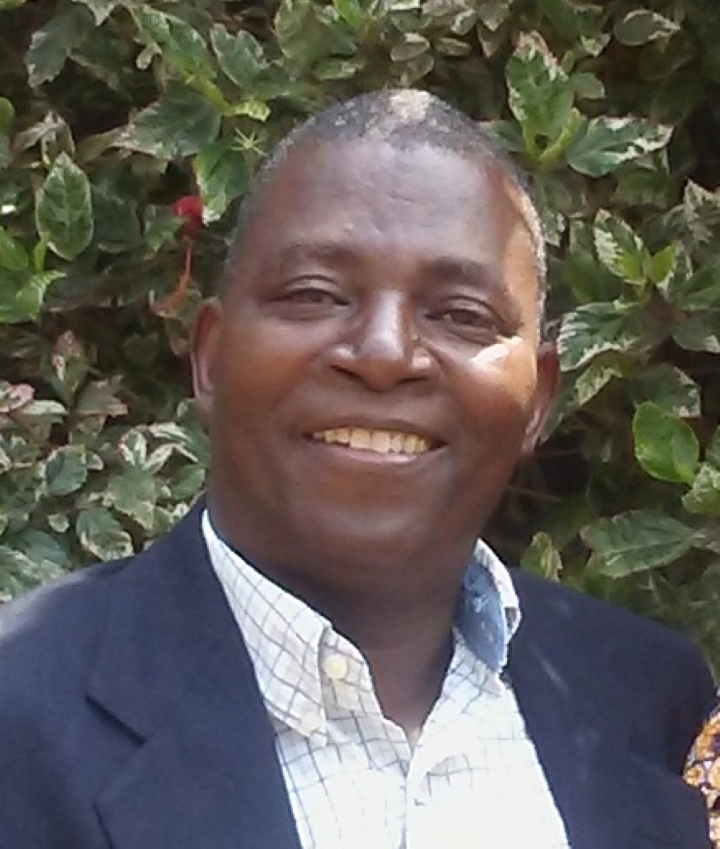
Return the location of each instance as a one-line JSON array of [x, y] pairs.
[[354, 779]]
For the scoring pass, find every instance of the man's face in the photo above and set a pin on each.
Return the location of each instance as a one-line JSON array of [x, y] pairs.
[[373, 373]]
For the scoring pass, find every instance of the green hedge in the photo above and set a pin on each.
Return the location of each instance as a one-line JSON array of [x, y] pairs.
[[117, 115]]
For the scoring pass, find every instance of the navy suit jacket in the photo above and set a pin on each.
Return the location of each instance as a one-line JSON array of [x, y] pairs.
[[130, 716]]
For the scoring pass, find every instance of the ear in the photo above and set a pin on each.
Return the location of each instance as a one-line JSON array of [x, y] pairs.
[[203, 352], [546, 388]]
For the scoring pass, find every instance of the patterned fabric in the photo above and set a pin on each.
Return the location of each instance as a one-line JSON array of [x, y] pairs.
[[703, 771], [354, 778]]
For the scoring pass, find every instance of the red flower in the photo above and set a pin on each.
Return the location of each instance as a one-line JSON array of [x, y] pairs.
[[190, 209]]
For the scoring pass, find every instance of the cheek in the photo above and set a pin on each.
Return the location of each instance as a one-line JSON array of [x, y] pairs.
[[509, 369], [259, 368]]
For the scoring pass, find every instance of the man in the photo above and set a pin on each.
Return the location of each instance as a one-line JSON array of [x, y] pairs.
[[317, 655]]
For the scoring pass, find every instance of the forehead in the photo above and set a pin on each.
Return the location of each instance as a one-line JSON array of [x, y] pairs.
[[378, 199]]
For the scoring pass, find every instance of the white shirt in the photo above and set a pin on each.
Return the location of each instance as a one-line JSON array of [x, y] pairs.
[[353, 778]]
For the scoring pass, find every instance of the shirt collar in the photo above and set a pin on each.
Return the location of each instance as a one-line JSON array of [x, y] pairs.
[[287, 640], [488, 612]]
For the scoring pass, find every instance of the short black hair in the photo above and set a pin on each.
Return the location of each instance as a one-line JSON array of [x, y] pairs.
[[403, 118]]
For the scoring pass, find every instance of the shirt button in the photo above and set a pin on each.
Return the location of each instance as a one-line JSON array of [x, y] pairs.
[[310, 722], [336, 667]]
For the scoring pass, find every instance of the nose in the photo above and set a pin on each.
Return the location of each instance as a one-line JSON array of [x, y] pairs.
[[382, 346]]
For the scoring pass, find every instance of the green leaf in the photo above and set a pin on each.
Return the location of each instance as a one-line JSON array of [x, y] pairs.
[[161, 227], [133, 448], [666, 447], [22, 300], [704, 496], [102, 9], [586, 277], [494, 13], [699, 331], [258, 110], [411, 46], [68, 365], [352, 12], [702, 214], [66, 470], [177, 42], [691, 292], [31, 297], [100, 398], [187, 484], [181, 123], [304, 37], [619, 249], [542, 557], [133, 492], [44, 549], [669, 388], [58, 522], [5, 154], [587, 86], [608, 143], [636, 541], [539, 92], [13, 255], [638, 185], [448, 46], [117, 227], [572, 18], [600, 372], [401, 6], [7, 116], [506, 133], [639, 26], [64, 215], [52, 43], [222, 175], [339, 69], [592, 329], [712, 455], [660, 266], [240, 56], [102, 535], [21, 571], [14, 396]]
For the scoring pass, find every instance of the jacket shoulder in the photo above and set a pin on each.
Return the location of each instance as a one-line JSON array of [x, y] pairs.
[[547, 605], [651, 677], [51, 632]]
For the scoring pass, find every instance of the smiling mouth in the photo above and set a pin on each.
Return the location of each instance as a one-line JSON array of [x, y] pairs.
[[375, 441]]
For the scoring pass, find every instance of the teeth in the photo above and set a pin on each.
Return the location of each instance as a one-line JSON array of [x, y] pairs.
[[397, 441], [360, 439], [379, 441]]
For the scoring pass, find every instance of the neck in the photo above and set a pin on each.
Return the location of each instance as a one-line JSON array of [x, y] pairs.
[[408, 650]]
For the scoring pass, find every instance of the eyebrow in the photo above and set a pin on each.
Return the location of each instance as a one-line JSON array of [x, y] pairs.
[[466, 270], [447, 267], [332, 252]]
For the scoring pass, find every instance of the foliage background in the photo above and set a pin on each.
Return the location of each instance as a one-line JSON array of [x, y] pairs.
[[112, 111]]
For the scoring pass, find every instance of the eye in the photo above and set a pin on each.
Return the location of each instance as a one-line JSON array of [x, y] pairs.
[[309, 297], [463, 317], [474, 322]]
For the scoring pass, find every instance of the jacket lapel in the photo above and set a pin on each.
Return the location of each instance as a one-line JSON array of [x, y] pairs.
[[608, 797], [174, 672]]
